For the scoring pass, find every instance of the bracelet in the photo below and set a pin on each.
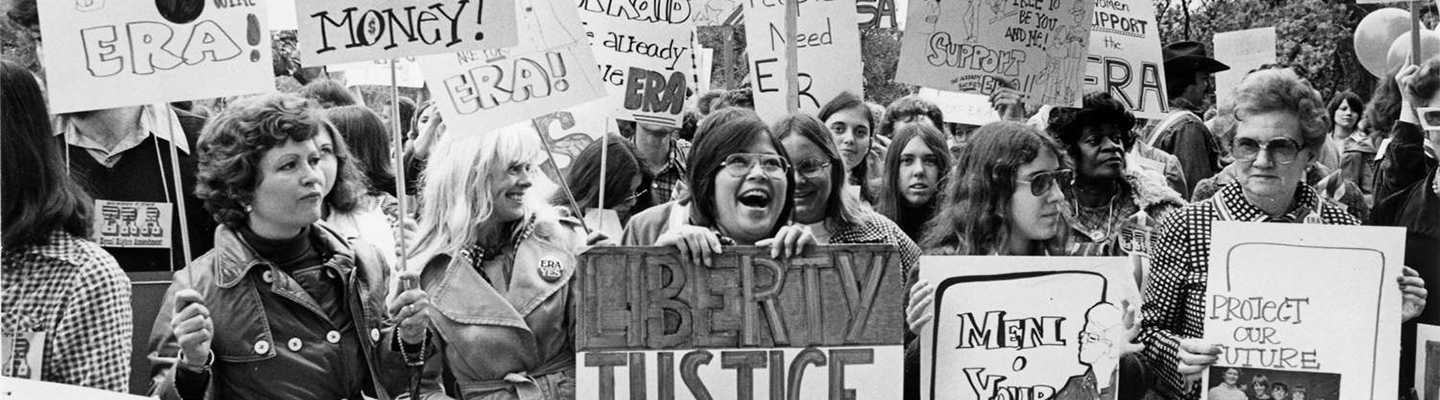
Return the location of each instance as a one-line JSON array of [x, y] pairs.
[[406, 352]]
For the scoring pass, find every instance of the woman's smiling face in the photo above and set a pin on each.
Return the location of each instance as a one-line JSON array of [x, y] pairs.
[[750, 200]]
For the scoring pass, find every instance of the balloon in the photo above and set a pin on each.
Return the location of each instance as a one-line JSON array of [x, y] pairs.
[[1375, 34], [1400, 48]]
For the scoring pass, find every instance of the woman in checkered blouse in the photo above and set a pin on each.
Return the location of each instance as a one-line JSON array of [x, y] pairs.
[[56, 283], [1282, 126]]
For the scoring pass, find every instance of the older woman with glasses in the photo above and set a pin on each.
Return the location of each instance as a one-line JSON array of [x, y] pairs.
[[1281, 127]]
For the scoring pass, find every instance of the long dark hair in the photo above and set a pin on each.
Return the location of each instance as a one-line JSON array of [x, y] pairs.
[[722, 133], [890, 200], [974, 215], [840, 211], [861, 173], [39, 197], [622, 165], [369, 143]]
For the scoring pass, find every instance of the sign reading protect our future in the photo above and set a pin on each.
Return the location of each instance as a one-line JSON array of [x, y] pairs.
[[828, 324]]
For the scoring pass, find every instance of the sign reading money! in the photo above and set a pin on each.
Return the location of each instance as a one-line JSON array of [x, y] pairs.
[[333, 32], [828, 324], [1125, 58], [106, 54], [1035, 46]]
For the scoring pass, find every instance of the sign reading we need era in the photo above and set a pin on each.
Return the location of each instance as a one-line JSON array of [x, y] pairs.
[[105, 54], [828, 324], [333, 32]]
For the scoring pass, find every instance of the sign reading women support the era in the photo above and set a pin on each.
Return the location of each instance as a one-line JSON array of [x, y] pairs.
[[550, 70], [1025, 327], [1125, 58], [1035, 46], [828, 324], [645, 58], [340, 31], [1272, 303], [106, 54], [827, 43]]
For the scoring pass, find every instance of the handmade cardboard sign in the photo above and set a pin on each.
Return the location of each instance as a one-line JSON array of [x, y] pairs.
[[377, 72], [826, 324], [1427, 361], [333, 32], [16, 388], [887, 14], [1271, 303], [132, 224], [828, 47], [1025, 327], [1243, 51], [106, 54], [1125, 58], [961, 108], [572, 129], [647, 63], [552, 69], [711, 12], [1035, 46]]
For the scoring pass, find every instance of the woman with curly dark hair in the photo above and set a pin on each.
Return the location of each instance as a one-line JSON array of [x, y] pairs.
[[1112, 206], [281, 295]]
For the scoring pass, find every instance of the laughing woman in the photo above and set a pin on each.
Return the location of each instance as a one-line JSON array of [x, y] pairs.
[[740, 180], [499, 260], [915, 168]]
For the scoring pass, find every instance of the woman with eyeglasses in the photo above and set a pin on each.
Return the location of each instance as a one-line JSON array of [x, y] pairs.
[[915, 167], [626, 178], [740, 184], [853, 127], [1281, 127], [1002, 198], [1112, 206]]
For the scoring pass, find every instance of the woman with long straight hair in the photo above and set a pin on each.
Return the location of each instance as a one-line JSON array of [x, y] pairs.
[[914, 176]]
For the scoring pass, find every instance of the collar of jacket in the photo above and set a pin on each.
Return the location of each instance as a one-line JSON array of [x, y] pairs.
[[235, 257], [1150, 189]]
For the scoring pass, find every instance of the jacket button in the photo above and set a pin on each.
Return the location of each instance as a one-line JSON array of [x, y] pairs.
[[294, 344], [268, 276], [374, 334], [262, 347], [332, 337]]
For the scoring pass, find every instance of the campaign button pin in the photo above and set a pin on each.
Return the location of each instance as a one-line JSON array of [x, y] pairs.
[[332, 337], [551, 269], [262, 347], [294, 344]]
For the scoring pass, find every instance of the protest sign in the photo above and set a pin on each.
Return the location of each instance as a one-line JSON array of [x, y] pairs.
[[704, 68], [1037, 47], [550, 70], [1271, 303], [828, 46], [37, 389], [961, 108], [572, 129], [826, 324], [1427, 361], [1125, 58], [646, 60], [333, 32], [106, 54], [282, 15], [888, 14], [377, 72], [1025, 327], [1243, 51], [712, 12]]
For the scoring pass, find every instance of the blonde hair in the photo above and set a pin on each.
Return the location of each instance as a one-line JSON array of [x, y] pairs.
[[458, 186]]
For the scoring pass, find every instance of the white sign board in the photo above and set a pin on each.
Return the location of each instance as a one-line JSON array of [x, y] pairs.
[[1035, 46], [551, 69], [1024, 327], [1242, 51], [1125, 58], [785, 373], [1427, 361], [106, 54], [333, 32], [648, 64], [1271, 303], [711, 12], [377, 72], [961, 108], [828, 45], [885, 14], [572, 129]]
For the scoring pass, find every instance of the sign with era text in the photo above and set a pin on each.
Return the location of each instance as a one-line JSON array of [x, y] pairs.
[[333, 32], [647, 61], [827, 42], [1125, 58]]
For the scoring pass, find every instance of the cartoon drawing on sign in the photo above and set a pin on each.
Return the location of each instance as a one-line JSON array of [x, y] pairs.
[[1104, 329], [997, 9]]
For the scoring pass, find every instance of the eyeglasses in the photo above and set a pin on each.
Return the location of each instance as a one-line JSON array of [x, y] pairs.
[[1429, 118], [1282, 150], [1042, 182], [812, 168], [1089, 337], [740, 164], [637, 195]]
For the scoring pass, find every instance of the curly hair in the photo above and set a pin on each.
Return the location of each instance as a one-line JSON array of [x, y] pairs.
[[231, 145], [1067, 125], [328, 93], [1384, 107], [1281, 90], [910, 107], [974, 214]]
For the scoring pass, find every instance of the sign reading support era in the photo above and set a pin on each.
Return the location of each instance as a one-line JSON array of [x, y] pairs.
[[829, 324]]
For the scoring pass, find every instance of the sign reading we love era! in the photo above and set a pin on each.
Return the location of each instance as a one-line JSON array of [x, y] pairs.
[[333, 32], [108, 53]]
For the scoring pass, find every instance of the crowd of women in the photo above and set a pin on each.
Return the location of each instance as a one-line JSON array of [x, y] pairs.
[[305, 293]]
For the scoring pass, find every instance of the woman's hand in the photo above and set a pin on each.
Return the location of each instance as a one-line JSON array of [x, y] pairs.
[[597, 238], [410, 308], [1127, 344], [918, 312], [1195, 356], [193, 328], [434, 128], [789, 242], [1413, 288], [697, 245], [1009, 103]]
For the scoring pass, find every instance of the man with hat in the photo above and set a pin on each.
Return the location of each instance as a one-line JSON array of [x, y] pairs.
[[1183, 132]]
